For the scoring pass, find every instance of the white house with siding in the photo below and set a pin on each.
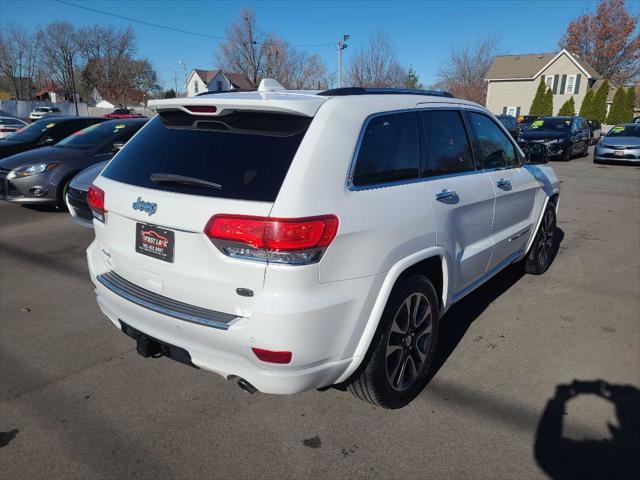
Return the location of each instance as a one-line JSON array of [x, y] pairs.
[[200, 81]]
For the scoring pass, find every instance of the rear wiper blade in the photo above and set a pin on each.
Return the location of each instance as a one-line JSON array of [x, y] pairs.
[[173, 178]]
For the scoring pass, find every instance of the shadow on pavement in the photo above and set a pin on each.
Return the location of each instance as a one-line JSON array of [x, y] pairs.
[[460, 316], [617, 457]]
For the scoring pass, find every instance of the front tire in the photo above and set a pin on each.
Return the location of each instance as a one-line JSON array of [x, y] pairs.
[[543, 249], [401, 355]]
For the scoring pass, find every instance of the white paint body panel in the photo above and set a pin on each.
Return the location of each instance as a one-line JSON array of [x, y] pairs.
[[325, 313]]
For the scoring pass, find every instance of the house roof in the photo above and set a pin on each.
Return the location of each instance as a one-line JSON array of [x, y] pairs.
[[530, 65], [238, 80]]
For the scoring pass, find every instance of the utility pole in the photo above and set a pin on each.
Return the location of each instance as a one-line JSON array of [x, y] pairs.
[[73, 85], [184, 67], [175, 82], [342, 44]]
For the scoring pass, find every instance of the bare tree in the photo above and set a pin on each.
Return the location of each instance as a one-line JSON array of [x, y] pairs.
[[60, 53], [19, 59], [243, 51], [376, 65], [106, 52], [258, 55], [463, 74]]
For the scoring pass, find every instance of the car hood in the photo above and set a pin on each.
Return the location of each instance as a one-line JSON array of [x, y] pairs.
[[621, 141], [85, 178], [11, 148], [42, 155], [543, 135]]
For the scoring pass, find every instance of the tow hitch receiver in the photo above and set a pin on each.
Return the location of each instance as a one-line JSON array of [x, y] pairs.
[[149, 347]]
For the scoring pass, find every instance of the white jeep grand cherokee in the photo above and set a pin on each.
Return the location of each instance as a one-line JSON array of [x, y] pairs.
[[299, 240]]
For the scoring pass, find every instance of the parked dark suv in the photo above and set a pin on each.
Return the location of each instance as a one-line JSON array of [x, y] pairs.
[[564, 137], [509, 122]]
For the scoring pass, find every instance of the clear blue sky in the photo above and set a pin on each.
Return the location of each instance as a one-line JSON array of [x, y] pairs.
[[423, 31]]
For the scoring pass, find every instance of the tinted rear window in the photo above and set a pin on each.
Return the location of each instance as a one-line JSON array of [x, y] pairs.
[[248, 153]]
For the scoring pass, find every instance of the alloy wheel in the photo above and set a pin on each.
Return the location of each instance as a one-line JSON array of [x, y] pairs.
[[545, 245], [409, 341]]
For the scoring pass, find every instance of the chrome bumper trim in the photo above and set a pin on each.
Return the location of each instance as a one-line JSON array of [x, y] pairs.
[[164, 305]]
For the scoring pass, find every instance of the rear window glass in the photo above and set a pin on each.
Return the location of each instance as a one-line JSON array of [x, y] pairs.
[[247, 154]]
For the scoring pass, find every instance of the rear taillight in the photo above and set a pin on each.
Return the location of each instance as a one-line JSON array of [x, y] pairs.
[[281, 240], [201, 108], [95, 200], [272, 356], [6, 130]]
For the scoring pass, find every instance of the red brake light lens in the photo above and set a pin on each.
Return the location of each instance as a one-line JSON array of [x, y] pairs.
[[201, 108], [272, 356], [284, 240], [95, 200]]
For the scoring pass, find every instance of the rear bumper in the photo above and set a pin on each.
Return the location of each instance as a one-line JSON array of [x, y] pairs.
[[322, 332]]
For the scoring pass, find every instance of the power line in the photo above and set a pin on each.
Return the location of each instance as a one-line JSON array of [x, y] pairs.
[[174, 29], [157, 25]]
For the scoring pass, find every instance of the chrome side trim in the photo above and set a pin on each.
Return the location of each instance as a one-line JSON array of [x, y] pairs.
[[518, 235], [503, 264], [164, 305]]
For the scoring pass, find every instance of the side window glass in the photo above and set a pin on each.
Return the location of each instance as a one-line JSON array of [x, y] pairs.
[[494, 148], [445, 144], [389, 150]]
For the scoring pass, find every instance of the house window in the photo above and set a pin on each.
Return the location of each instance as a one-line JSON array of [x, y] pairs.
[[512, 111], [571, 84], [195, 86], [219, 85], [548, 80]]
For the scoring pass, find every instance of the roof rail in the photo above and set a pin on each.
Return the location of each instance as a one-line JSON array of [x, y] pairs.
[[345, 91]]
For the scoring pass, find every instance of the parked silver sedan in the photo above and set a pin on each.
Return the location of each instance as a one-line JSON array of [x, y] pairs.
[[621, 144]]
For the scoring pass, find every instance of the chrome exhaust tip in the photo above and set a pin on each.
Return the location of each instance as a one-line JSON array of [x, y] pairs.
[[246, 386]]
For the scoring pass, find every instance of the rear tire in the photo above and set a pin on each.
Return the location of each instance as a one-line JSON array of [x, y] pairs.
[[543, 249], [400, 357]]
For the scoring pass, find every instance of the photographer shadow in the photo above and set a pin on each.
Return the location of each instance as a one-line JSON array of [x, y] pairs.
[[616, 457]]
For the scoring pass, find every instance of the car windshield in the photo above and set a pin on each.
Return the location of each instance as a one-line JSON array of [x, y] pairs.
[[551, 124], [122, 111], [32, 131], [10, 121], [624, 131], [42, 109], [94, 135]]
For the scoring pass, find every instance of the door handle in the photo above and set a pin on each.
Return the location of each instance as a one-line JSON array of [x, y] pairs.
[[446, 196], [504, 184]]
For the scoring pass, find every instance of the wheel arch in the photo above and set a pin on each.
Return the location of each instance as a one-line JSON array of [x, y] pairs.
[[433, 263]]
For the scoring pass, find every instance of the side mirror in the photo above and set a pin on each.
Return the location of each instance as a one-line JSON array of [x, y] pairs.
[[537, 154], [117, 146]]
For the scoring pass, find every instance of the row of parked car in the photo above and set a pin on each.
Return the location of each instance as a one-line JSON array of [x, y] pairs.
[[567, 137], [40, 160]]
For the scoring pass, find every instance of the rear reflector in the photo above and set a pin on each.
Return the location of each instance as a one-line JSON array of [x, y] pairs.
[[95, 200], [201, 108], [282, 240], [272, 356]]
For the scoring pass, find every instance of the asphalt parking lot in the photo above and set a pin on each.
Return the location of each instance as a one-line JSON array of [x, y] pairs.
[[76, 401]]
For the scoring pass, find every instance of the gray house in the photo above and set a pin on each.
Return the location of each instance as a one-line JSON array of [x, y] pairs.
[[512, 81]]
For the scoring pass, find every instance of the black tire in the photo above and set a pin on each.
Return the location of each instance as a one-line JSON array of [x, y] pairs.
[[567, 155], [543, 249], [585, 153], [388, 377], [62, 193]]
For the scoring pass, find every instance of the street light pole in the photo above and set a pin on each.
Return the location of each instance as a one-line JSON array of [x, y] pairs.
[[184, 67], [342, 44]]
